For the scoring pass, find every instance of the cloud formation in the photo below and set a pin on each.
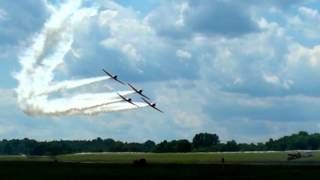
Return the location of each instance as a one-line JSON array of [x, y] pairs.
[[46, 54], [240, 69]]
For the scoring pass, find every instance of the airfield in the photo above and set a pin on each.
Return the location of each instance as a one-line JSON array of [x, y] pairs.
[[243, 165]]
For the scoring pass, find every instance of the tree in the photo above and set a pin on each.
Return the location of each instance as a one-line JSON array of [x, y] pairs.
[[38, 150], [247, 147], [180, 146], [118, 146], [231, 146], [202, 142], [8, 149], [303, 133], [314, 141], [162, 147], [148, 146], [205, 140]]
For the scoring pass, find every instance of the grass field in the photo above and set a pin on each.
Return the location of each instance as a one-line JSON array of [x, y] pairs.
[[173, 158], [271, 165], [190, 158]]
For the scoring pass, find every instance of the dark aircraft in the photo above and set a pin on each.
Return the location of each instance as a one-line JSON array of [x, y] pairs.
[[114, 77], [140, 92], [153, 105], [129, 100]]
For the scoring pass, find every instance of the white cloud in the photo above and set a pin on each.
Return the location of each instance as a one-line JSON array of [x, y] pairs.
[[128, 34], [188, 120], [300, 55], [310, 13], [76, 53], [3, 15], [183, 54], [233, 83], [276, 81], [130, 51], [106, 16], [182, 8], [306, 22]]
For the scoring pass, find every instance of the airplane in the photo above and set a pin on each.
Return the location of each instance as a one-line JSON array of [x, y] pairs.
[[114, 77], [153, 105], [140, 92], [129, 100]]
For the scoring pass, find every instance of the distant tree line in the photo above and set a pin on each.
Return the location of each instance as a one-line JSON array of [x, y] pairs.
[[203, 142]]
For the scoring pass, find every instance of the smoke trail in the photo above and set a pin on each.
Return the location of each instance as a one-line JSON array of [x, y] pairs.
[[121, 106], [110, 106], [71, 84], [47, 52]]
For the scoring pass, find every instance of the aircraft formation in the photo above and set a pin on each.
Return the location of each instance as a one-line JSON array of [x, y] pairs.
[[145, 98]]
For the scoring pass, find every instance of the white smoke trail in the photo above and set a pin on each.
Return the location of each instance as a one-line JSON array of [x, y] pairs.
[[71, 84], [121, 106], [47, 52], [110, 106]]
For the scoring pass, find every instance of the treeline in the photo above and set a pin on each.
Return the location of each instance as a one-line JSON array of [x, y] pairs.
[[203, 142]]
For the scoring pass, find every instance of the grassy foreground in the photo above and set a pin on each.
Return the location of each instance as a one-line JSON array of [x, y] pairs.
[[173, 158], [51, 170], [190, 158], [160, 166]]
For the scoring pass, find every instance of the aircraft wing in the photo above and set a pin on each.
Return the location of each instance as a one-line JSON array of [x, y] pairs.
[[119, 81], [151, 105], [122, 97], [157, 109], [144, 96], [132, 103], [107, 73], [136, 90], [146, 101], [125, 99]]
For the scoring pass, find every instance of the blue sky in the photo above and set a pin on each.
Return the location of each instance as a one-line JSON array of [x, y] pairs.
[[245, 70]]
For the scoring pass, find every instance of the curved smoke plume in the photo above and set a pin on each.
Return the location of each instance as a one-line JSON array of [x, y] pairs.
[[47, 52]]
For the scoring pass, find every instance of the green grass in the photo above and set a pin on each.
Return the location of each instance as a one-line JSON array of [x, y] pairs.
[[189, 158], [173, 158], [160, 166]]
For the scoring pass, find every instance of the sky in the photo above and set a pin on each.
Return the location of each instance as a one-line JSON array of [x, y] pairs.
[[246, 70]]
